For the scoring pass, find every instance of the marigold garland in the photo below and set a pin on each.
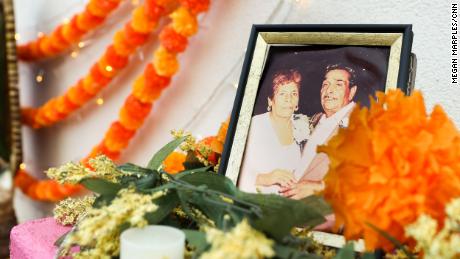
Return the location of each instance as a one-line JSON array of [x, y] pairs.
[[68, 33], [392, 164], [116, 57], [146, 89]]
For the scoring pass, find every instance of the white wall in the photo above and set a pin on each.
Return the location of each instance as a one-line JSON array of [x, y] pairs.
[[212, 60]]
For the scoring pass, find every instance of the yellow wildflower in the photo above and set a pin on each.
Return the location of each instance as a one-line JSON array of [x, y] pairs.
[[68, 173], [443, 244], [73, 173], [104, 168], [70, 210], [99, 230], [242, 242]]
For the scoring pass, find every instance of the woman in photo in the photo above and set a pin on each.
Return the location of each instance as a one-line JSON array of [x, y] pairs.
[[272, 153]]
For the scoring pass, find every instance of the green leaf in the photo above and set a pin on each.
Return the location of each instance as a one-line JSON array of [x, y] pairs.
[[280, 214], [165, 206], [392, 239], [196, 239], [164, 152], [146, 182], [214, 211], [134, 169], [191, 171], [286, 252], [319, 204], [346, 252], [101, 186], [103, 200], [212, 180]]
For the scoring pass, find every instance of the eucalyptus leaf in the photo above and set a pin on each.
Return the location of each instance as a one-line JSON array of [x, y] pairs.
[[346, 252], [280, 214], [165, 206], [212, 180], [146, 182], [212, 210], [101, 186], [161, 155], [103, 200], [133, 169], [196, 239], [192, 171], [319, 204]]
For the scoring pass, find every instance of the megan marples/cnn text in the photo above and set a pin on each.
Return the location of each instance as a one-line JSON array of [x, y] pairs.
[[454, 44]]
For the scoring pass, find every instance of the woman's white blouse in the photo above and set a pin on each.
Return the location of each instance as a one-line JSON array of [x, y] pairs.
[[264, 153]]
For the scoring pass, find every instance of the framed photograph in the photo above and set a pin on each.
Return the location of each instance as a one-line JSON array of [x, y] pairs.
[[298, 86]]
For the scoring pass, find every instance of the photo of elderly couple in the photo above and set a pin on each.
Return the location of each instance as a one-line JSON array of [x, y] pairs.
[[305, 95]]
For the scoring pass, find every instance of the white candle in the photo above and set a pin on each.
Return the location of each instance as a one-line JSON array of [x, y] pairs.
[[152, 242]]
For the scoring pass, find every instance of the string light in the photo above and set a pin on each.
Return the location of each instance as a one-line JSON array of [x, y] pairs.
[[17, 36], [99, 101], [74, 54], [22, 166], [81, 44], [39, 78], [108, 68]]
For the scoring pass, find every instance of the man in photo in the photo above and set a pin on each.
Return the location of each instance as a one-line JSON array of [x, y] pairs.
[[337, 92]]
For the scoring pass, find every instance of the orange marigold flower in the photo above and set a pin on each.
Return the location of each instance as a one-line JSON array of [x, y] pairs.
[[141, 22], [153, 79], [196, 6], [58, 41], [70, 34], [77, 94], [136, 108], [172, 40], [210, 148], [117, 137], [64, 105], [86, 21], [222, 134], [98, 76], [153, 10], [174, 163], [121, 46], [133, 37], [165, 62], [392, 164], [184, 22], [128, 121], [143, 93], [115, 60]]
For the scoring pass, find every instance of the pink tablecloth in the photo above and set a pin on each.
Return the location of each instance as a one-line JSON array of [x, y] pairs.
[[35, 239]]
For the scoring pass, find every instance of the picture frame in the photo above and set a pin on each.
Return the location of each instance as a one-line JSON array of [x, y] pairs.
[[380, 53]]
